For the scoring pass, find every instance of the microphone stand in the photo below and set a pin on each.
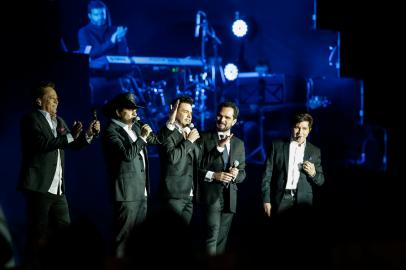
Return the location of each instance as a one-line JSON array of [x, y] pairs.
[[206, 33]]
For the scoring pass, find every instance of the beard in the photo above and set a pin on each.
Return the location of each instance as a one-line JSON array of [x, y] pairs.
[[222, 127]]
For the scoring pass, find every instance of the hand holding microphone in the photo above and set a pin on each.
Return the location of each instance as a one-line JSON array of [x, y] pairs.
[[146, 130], [94, 128], [234, 169], [193, 134], [227, 177]]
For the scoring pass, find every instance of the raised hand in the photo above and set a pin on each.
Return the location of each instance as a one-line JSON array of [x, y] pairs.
[[93, 129], [119, 34], [223, 141], [173, 110]]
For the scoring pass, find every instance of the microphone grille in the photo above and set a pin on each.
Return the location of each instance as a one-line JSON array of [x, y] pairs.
[[236, 163], [191, 125]]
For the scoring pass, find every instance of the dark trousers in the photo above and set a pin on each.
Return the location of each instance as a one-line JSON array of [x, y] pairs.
[[181, 207], [288, 201], [46, 214], [218, 227], [127, 216]]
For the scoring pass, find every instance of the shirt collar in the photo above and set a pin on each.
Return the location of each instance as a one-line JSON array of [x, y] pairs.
[[180, 128], [295, 143], [121, 124], [47, 115]]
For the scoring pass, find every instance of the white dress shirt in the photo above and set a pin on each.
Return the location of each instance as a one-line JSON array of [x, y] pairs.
[[296, 154], [220, 134]]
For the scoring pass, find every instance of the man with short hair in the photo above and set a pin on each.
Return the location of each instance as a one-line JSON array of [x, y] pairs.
[[44, 136], [292, 169], [180, 155], [222, 168]]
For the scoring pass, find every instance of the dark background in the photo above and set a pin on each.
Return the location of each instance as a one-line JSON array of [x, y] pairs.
[[358, 201]]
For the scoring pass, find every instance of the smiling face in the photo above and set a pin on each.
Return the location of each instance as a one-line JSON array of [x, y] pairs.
[[225, 119], [49, 101]]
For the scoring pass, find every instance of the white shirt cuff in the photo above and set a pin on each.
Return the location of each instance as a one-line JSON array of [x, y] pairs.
[[209, 176], [69, 137], [170, 126]]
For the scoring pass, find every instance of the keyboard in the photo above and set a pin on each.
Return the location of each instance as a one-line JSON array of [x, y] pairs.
[[117, 61]]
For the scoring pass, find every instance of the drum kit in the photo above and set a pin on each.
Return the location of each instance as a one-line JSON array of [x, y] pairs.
[[199, 84], [157, 95], [170, 77]]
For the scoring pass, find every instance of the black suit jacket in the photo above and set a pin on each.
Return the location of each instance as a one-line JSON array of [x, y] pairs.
[[40, 151], [212, 160], [276, 174], [179, 165], [127, 176]]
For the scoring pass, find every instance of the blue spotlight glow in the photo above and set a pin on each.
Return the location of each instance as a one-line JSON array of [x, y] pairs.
[[240, 28], [231, 72]]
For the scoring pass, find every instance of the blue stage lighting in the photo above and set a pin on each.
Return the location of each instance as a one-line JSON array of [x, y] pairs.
[[231, 72], [240, 28]]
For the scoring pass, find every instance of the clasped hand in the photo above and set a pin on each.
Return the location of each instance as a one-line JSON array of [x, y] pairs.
[[119, 34]]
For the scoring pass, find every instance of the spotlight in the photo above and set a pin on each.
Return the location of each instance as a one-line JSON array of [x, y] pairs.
[[240, 27], [231, 72]]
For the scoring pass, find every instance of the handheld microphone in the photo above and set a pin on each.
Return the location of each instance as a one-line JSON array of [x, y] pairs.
[[189, 128], [94, 117], [235, 165], [197, 27], [138, 119]]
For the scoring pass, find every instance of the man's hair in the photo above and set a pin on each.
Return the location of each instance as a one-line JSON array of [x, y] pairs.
[[301, 117], [183, 99], [229, 104], [38, 90], [95, 4]]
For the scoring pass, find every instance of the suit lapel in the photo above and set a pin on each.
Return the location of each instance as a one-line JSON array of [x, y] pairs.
[[231, 153], [44, 123], [286, 155], [307, 152]]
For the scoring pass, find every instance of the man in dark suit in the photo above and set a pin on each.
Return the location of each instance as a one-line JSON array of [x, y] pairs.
[[125, 148], [293, 169], [222, 168], [44, 136], [179, 155]]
